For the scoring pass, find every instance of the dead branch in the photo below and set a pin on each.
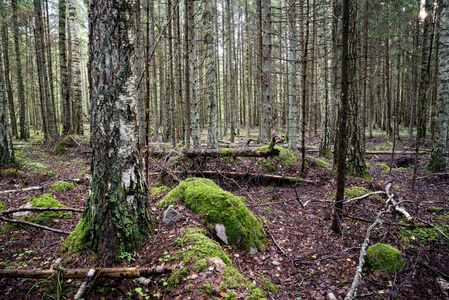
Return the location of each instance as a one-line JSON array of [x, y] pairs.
[[358, 274], [32, 188], [2, 218], [81, 273], [14, 210], [433, 174], [397, 207], [433, 226], [86, 285], [364, 196]]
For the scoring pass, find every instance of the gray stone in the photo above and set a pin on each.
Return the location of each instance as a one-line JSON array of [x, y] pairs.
[[253, 250], [221, 232], [170, 215], [23, 213]]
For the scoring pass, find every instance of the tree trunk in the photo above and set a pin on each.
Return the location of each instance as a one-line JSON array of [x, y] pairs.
[[341, 142], [10, 96], [438, 156], [117, 215], [292, 116], [6, 147], [65, 94], [211, 75], [266, 71], [141, 111], [24, 130]]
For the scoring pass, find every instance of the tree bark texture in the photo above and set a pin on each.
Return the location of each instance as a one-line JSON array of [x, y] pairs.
[[194, 116], [292, 112], [65, 94], [439, 152], [266, 71], [6, 147], [117, 214]]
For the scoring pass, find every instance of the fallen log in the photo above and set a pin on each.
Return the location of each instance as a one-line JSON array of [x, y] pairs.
[[82, 273], [225, 152], [250, 176], [33, 188]]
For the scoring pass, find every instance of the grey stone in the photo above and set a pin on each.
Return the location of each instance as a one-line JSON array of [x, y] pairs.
[[170, 215], [23, 213], [221, 232], [253, 250]]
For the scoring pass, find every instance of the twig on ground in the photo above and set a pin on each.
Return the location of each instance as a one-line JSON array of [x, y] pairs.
[[364, 196], [2, 218], [430, 175], [14, 210], [31, 188]]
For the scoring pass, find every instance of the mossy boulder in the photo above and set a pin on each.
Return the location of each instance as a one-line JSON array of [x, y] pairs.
[[197, 253], [62, 186], [272, 164], [215, 205], [47, 217], [385, 258]]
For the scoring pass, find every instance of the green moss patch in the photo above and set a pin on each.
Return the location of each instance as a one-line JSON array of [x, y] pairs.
[[272, 164], [47, 217], [197, 253], [157, 191], [12, 172], [74, 242], [65, 143], [62, 186], [320, 162], [2, 205], [424, 235], [215, 205], [385, 258]]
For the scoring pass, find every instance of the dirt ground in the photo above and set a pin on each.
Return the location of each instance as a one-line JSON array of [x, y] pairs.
[[303, 257]]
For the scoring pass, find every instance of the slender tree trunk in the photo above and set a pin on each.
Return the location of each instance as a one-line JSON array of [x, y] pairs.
[[77, 100], [24, 133], [65, 94], [10, 96], [341, 144], [39, 33], [6, 147], [211, 75], [304, 94], [325, 143], [292, 116], [141, 111], [150, 4], [266, 71], [50, 68], [117, 216]]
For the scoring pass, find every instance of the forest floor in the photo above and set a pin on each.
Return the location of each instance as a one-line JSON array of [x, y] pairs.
[[303, 258]]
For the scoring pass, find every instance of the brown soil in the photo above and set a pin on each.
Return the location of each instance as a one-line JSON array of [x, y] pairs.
[[303, 257]]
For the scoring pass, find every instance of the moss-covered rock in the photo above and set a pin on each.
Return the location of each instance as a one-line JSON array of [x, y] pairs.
[[62, 186], [272, 164], [65, 143], [215, 205], [385, 258], [47, 217], [197, 252]]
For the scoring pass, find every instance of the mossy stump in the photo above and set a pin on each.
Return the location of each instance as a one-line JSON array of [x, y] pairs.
[[215, 205], [285, 159], [384, 257]]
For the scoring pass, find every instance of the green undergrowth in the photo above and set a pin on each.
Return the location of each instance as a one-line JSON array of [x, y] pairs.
[[62, 186], [47, 217], [12, 172], [215, 205], [2, 205], [197, 253], [384, 257], [157, 191], [272, 164], [425, 235]]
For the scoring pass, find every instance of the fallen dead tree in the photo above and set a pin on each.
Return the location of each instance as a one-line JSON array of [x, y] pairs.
[[249, 176], [225, 152], [82, 273]]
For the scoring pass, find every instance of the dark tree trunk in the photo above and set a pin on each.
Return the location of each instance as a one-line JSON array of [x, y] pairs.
[[65, 95]]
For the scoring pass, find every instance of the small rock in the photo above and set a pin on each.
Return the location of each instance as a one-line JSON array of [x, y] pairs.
[[170, 215], [221, 232], [253, 250], [23, 213]]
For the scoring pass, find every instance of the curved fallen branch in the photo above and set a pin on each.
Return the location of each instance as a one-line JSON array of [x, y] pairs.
[[364, 196], [31, 188]]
